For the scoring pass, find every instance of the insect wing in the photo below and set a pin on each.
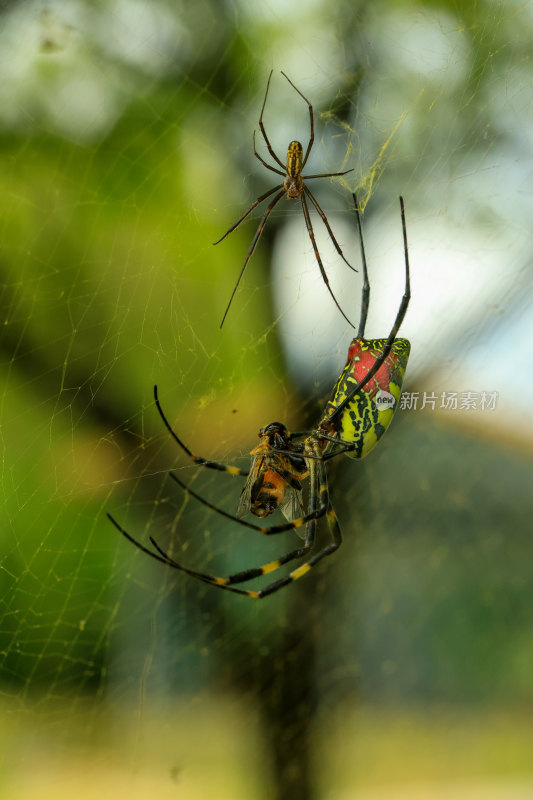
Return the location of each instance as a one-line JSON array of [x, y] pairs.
[[292, 508], [245, 499]]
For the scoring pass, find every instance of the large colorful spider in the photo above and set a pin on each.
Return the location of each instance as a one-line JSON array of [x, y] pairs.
[[292, 186], [356, 416]]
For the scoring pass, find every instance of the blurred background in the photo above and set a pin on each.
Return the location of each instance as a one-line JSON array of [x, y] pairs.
[[402, 666]]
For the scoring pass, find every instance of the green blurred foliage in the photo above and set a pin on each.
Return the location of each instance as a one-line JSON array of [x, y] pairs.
[[110, 284]]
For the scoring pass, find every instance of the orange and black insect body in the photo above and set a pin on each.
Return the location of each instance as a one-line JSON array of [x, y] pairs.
[[274, 476], [267, 493]]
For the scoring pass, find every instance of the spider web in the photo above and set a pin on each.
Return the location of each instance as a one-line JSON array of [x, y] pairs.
[[126, 151]]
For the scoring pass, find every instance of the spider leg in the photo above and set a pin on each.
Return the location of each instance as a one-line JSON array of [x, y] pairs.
[[303, 569], [345, 447], [314, 514], [365, 294], [164, 559], [254, 204], [249, 254], [224, 583], [392, 335], [246, 574], [239, 577], [263, 162], [197, 459], [262, 127], [349, 446], [326, 223], [311, 122], [212, 580], [327, 175], [317, 256]]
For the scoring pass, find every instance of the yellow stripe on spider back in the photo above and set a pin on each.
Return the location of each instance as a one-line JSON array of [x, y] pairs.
[[294, 159]]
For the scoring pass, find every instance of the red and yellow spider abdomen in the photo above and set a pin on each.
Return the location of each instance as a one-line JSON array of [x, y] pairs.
[[367, 416]]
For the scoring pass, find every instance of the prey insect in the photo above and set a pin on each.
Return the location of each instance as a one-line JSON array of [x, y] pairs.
[[293, 187], [357, 414]]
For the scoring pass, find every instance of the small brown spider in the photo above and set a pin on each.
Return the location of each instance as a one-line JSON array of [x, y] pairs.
[[292, 187]]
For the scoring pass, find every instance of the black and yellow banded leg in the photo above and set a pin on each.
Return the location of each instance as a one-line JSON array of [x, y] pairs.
[[302, 570], [171, 563], [318, 482], [254, 572], [272, 566], [222, 583], [265, 569], [273, 529], [201, 462], [245, 575], [163, 558]]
